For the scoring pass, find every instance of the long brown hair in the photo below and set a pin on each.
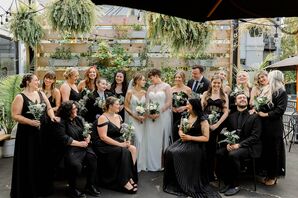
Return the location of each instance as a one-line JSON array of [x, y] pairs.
[[87, 79], [221, 91]]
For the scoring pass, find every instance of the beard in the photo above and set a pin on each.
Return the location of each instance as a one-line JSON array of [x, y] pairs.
[[242, 106]]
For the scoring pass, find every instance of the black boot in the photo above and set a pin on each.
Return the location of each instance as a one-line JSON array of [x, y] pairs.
[[91, 190]]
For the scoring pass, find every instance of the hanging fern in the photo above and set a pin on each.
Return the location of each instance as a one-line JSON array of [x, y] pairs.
[[25, 27], [72, 16], [179, 34]]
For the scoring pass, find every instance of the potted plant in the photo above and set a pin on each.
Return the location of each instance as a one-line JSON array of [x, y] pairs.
[[72, 16], [62, 57], [9, 89], [203, 59], [24, 25]]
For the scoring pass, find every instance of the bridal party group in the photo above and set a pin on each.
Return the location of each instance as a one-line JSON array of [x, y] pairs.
[[194, 131]]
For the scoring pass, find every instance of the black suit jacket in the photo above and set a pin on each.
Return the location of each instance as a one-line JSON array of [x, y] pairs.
[[201, 89], [250, 132]]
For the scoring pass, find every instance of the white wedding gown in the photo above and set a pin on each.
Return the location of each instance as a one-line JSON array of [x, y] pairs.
[[139, 132], [158, 132]]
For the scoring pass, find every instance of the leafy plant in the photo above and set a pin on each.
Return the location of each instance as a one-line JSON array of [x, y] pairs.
[[25, 27], [137, 27], [179, 34], [61, 53], [72, 16], [9, 89], [121, 30]]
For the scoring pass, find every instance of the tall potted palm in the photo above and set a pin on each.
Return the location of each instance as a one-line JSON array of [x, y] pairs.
[[9, 89]]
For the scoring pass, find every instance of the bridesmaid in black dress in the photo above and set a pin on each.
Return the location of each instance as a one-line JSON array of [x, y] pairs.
[[214, 101], [185, 170], [28, 172], [69, 89], [117, 158], [182, 92], [48, 87], [119, 89]]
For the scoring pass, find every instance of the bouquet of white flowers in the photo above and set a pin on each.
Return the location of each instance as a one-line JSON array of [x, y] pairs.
[[36, 109], [184, 124], [259, 102], [213, 117], [87, 127], [153, 108], [82, 102], [179, 99], [231, 137], [127, 131], [141, 109], [99, 102]]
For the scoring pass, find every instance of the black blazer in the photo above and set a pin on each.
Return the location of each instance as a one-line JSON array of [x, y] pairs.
[[250, 131], [200, 90]]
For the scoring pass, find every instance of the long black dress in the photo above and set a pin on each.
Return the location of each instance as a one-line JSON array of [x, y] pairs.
[[185, 167], [115, 164], [177, 116], [217, 106], [26, 173], [273, 155]]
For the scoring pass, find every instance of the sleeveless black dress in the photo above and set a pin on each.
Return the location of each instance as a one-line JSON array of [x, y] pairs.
[[27, 169], [52, 101], [177, 116], [75, 96], [185, 170], [115, 163]]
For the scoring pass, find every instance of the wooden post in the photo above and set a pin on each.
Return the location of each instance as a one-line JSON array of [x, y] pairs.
[[296, 87]]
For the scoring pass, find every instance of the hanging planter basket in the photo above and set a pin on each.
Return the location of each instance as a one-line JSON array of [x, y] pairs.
[[72, 16]]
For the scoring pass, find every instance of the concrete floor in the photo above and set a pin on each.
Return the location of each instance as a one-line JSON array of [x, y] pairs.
[[150, 183]]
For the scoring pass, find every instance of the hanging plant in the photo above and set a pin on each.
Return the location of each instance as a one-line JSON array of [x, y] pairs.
[[179, 34], [25, 27], [72, 16]]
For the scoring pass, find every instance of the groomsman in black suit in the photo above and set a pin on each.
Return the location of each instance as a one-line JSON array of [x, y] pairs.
[[198, 83], [248, 128]]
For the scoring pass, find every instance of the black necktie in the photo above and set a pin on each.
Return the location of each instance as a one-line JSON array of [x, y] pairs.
[[194, 88], [239, 121]]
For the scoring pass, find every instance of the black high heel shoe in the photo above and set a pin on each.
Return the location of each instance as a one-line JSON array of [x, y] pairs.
[[131, 191]]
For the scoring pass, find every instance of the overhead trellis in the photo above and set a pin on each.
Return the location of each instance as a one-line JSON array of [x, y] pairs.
[[179, 34]]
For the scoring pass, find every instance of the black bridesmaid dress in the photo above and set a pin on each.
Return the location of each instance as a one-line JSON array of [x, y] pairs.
[[115, 164], [27, 170], [185, 167]]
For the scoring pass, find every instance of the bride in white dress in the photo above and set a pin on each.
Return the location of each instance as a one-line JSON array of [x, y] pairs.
[[158, 126], [135, 96]]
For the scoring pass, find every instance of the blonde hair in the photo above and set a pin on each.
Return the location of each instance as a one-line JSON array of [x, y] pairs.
[[276, 82], [181, 73], [69, 72], [256, 77]]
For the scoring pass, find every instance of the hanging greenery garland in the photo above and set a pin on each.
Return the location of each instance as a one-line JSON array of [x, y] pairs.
[[25, 27], [179, 34], [72, 16]]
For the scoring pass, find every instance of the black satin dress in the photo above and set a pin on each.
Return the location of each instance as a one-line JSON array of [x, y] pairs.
[[185, 167], [115, 164], [177, 116]]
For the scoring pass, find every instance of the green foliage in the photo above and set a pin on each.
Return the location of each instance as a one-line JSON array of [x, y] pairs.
[[179, 34], [168, 74], [72, 16], [137, 27], [289, 41], [114, 55], [62, 53], [121, 31], [25, 27], [9, 87]]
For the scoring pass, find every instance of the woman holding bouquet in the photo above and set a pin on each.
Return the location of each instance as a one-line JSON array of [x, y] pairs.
[[27, 173], [95, 103], [159, 125], [69, 89], [273, 155], [215, 103], [117, 158], [261, 88], [185, 160], [181, 93], [119, 89], [134, 105]]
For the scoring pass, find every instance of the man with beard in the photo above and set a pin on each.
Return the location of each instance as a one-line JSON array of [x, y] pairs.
[[248, 128]]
